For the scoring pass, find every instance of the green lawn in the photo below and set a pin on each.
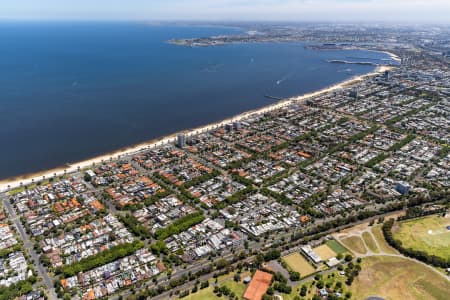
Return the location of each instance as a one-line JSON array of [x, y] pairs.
[[336, 246], [428, 234], [205, 294], [330, 279], [30, 187], [237, 287], [227, 280], [20, 190]]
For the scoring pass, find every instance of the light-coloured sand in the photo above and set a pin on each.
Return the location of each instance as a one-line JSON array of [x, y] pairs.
[[16, 182]]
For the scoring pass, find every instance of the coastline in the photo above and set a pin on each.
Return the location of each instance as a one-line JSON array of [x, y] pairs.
[[26, 179], [391, 55]]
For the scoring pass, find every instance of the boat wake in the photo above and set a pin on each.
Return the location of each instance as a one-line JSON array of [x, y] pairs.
[[348, 70], [280, 81]]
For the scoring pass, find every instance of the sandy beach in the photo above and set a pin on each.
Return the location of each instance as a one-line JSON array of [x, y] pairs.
[[391, 55], [16, 182]]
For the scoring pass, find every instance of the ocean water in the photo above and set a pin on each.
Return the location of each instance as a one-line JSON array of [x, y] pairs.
[[70, 91]]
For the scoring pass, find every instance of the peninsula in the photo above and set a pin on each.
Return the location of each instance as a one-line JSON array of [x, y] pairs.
[[310, 196]]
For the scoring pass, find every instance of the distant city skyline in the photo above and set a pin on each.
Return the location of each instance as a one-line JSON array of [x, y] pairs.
[[397, 11]]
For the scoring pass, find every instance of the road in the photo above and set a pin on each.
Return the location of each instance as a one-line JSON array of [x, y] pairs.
[[28, 245], [252, 245], [280, 239]]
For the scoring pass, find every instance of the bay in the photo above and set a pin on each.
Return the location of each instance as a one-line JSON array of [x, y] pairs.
[[70, 91]]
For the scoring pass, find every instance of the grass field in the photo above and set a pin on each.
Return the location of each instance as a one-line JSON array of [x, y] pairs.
[[428, 234], [370, 243], [331, 279], [296, 262], [336, 246], [237, 287], [227, 280], [30, 186], [21, 189], [395, 278], [325, 252], [355, 244], [205, 294], [378, 234]]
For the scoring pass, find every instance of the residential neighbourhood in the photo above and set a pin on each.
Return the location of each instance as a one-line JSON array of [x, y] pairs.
[[155, 217], [16, 270]]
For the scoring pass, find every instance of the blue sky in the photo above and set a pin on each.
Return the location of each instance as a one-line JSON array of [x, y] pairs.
[[229, 10]]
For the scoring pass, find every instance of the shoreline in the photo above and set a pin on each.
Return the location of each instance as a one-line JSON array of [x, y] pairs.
[[391, 55], [26, 179]]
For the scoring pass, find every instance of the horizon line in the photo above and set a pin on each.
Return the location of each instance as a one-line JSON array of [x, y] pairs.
[[216, 21]]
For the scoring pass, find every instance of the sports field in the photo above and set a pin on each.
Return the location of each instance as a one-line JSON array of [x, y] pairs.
[[259, 285], [428, 234], [297, 263], [396, 278], [355, 244], [336, 246], [325, 252]]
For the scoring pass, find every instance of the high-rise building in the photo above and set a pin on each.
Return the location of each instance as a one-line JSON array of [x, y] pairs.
[[181, 140], [228, 127]]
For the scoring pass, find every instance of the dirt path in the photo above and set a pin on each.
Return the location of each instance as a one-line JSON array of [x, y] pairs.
[[376, 242], [359, 232]]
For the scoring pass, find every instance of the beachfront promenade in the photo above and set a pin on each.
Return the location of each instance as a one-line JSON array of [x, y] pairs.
[[13, 183], [178, 209]]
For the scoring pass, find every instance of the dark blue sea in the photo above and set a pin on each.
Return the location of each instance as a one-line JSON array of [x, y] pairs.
[[70, 91]]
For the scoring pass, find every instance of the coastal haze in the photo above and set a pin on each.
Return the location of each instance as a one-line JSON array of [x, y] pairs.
[[226, 149], [71, 91]]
